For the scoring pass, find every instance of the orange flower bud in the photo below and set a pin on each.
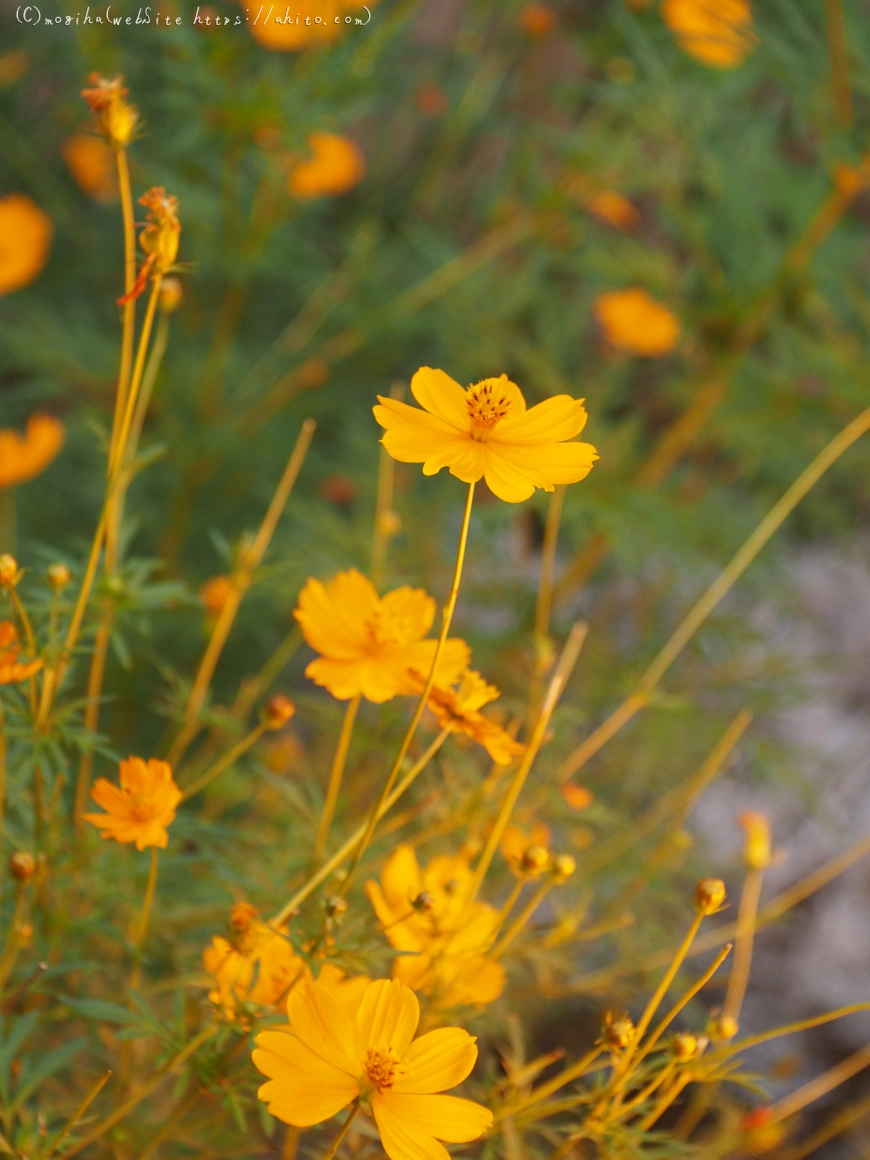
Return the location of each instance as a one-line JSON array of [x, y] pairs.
[[22, 866], [684, 1045], [563, 867], [578, 797], [215, 593], [632, 320], [722, 1028], [535, 860], [616, 1034], [58, 576], [537, 20], [115, 117], [9, 573], [278, 711], [171, 294], [336, 166], [761, 1133], [756, 848], [709, 895]]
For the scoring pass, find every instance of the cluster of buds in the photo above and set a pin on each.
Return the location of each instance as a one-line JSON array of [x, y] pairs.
[[709, 895], [277, 711], [757, 854], [10, 573], [115, 117]]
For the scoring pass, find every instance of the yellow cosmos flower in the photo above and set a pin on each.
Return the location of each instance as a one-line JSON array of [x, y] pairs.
[[426, 913], [716, 32], [142, 808], [460, 709], [92, 165], [367, 643], [256, 964], [25, 238], [23, 458], [12, 669], [487, 433], [336, 166], [632, 320], [330, 1060]]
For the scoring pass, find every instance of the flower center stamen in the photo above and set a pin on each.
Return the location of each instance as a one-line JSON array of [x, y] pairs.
[[381, 1067], [487, 405]]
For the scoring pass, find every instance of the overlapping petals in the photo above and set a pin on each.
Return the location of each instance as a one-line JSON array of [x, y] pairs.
[[23, 457], [12, 668], [486, 432], [142, 808]]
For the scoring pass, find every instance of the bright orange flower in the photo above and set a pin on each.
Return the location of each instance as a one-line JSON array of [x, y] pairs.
[[337, 165], [25, 238], [296, 35], [615, 209], [632, 320], [716, 32], [12, 670], [23, 458], [486, 432], [215, 593], [142, 808], [367, 643], [330, 1060], [425, 914], [255, 965], [92, 165], [460, 708]]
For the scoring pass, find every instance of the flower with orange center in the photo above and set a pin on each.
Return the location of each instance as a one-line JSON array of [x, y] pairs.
[[717, 32], [116, 118], [256, 964], [330, 1059], [487, 433], [367, 643], [336, 166], [460, 710], [12, 669], [632, 320], [25, 238], [141, 809], [92, 165], [426, 915], [22, 458], [614, 208]]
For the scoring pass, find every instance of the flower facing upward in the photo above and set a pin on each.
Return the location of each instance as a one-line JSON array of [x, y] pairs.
[[367, 643], [256, 964], [460, 709], [92, 165], [25, 237], [21, 458], [426, 915], [716, 32], [12, 669], [336, 166], [331, 1059], [632, 320], [116, 118], [486, 432], [142, 808]]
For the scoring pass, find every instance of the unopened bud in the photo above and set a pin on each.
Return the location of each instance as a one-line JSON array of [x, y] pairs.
[[423, 903], [722, 1028], [9, 574], [171, 294], [25, 933], [563, 867], [58, 576], [684, 1045], [709, 895], [116, 118], [761, 1133], [389, 524], [756, 848], [277, 711], [242, 916], [22, 866], [535, 860], [617, 1033], [335, 906]]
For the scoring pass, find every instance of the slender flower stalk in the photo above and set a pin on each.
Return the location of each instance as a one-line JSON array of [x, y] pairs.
[[522, 918], [225, 762], [129, 323], [447, 617], [771, 523], [345, 1128], [559, 680], [144, 919], [335, 777], [746, 918]]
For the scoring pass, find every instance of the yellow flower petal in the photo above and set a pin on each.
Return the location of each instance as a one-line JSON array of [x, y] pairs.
[[437, 1061], [320, 1022], [557, 418], [504, 481], [387, 1018], [400, 1138], [401, 879], [441, 396], [304, 1088], [444, 1117], [332, 617]]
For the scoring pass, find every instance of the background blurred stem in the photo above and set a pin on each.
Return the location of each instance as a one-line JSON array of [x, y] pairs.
[[742, 961], [144, 918], [129, 316], [385, 518], [335, 777], [2, 793], [838, 54], [714, 594], [8, 522]]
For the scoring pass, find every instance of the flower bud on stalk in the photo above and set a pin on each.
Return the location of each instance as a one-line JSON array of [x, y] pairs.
[[756, 848], [563, 867], [22, 866], [616, 1034], [534, 861], [58, 576], [684, 1045], [116, 118], [278, 711], [171, 294], [722, 1028], [709, 895], [9, 572]]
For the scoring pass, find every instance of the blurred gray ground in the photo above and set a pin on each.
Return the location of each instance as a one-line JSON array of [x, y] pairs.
[[819, 958]]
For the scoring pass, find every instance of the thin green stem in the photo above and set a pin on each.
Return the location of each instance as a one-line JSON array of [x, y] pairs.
[[335, 776], [345, 1128], [144, 918], [225, 762]]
